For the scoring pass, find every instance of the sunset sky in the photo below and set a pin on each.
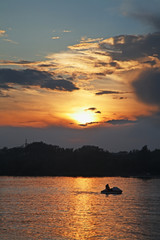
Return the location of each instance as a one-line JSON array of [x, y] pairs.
[[76, 73]]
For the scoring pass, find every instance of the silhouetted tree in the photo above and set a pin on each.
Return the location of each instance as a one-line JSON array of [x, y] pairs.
[[41, 159]]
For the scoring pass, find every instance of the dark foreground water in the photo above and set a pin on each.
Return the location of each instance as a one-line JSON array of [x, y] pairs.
[[62, 208]]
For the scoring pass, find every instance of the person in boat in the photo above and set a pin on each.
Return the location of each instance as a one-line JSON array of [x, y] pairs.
[[108, 187]]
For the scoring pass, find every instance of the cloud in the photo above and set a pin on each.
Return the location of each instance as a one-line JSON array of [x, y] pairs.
[[2, 94], [101, 58], [2, 33], [38, 65], [5, 86], [131, 47], [150, 62], [88, 124], [54, 38], [98, 58], [108, 92], [84, 45], [85, 39], [20, 62], [114, 66], [28, 77], [144, 11], [120, 121], [61, 85], [147, 86], [90, 109], [93, 109], [10, 41], [120, 98], [148, 18]]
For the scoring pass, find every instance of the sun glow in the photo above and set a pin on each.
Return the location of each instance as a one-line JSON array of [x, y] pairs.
[[84, 117]]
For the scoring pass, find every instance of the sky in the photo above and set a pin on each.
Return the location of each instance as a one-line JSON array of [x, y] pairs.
[[76, 73]]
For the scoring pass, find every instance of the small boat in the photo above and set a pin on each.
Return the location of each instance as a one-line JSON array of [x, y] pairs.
[[114, 190]]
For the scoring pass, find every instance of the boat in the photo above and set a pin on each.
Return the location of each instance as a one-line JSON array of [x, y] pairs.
[[114, 190]]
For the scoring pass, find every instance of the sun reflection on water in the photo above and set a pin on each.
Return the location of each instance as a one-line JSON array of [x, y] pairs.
[[73, 209], [84, 221]]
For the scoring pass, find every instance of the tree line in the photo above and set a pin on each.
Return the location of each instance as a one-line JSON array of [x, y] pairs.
[[41, 159]]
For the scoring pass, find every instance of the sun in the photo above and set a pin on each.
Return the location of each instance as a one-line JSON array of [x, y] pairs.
[[84, 117]]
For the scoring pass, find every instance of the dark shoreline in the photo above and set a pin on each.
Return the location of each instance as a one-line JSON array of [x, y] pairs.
[[40, 159]]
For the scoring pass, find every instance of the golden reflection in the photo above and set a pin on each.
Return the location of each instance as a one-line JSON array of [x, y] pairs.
[[83, 219], [83, 183]]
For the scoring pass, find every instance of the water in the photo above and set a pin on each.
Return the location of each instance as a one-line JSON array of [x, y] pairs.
[[62, 208]]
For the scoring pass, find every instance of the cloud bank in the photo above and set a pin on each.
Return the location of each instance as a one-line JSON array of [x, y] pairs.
[[29, 77]]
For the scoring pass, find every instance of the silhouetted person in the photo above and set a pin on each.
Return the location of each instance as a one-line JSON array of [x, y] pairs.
[[108, 187]]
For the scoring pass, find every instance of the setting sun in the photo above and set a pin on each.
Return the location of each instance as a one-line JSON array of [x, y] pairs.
[[84, 117]]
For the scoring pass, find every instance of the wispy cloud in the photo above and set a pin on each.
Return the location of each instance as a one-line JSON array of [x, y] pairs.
[[4, 36], [85, 39], [57, 37], [10, 41]]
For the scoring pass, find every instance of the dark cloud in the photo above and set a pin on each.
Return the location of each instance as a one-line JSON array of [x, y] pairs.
[[90, 109], [83, 125], [100, 63], [114, 64], [151, 63], [108, 92], [131, 47], [87, 124], [120, 98], [29, 77], [120, 121], [5, 86], [149, 18], [47, 65], [62, 85], [147, 86], [40, 64], [21, 62], [25, 77], [93, 109]]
